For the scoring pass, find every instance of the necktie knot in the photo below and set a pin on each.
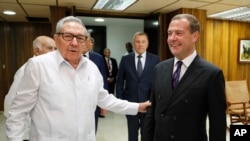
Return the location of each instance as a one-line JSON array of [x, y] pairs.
[[176, 75]]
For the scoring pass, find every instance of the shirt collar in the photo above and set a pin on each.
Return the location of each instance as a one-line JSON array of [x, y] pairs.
[[188, 60], [61, 60], [143, 54]]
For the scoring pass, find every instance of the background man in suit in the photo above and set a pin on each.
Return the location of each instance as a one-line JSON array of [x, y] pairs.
[[129, 48], [135, 86], [41, 45], [179, 113], [101, 64], [112, 69]]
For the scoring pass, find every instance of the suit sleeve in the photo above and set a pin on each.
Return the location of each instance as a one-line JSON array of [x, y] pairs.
[[149, 124], [217, 107], [120, 80], [104, 72]]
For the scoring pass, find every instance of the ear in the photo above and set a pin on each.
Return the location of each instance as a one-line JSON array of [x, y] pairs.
[[196, 36], [36, 51]]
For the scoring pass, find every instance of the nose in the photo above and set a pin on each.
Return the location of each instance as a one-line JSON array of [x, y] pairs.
[[74, 41], [172, 36]]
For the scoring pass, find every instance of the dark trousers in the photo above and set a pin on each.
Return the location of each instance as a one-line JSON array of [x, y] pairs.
[[135, 123], [111, 88], [97, 113]]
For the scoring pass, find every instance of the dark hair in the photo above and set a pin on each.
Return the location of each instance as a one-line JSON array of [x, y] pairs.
[[129, 47], [194, 23]]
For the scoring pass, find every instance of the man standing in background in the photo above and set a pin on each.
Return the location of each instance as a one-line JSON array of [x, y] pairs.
[[134, 80], [112, 69], [101, 64], [41, 45]]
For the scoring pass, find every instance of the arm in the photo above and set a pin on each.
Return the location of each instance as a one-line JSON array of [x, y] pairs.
[[149, 122], [23, 102], [217, 108], [120, 80]]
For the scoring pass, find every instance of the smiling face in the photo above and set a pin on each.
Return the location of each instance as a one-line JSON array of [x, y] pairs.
[[71, 50], [181, 40]]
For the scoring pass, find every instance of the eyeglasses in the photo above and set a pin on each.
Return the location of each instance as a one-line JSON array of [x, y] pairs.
[[70, 36]]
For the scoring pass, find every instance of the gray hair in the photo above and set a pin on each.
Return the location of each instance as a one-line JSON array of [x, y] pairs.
[[37, 43], [60, 23], [140, 34]]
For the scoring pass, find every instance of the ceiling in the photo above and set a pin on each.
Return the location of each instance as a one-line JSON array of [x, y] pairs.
[[41, 8]]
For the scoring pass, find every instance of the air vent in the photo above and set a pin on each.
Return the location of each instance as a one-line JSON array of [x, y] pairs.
[[37, 19]]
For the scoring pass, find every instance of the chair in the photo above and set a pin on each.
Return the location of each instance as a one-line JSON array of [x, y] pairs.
[[238, 101]]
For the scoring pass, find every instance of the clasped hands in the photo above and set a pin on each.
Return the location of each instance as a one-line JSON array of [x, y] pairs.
[[144, 106]]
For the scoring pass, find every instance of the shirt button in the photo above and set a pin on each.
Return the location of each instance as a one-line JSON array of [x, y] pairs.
[[186, 101], [172, 136], [159, 96], [174, 117]]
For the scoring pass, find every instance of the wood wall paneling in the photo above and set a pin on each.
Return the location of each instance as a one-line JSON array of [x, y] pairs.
[[16, 48], [222, 47]]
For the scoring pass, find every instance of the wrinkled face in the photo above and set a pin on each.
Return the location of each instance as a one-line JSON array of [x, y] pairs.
[[181, 42], [48, 46], [89, 44], [140, 43], [71, 50], [106, 53]]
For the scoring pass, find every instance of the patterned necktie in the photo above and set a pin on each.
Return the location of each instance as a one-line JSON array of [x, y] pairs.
[[139, 66], [176, 74], [108, 64]]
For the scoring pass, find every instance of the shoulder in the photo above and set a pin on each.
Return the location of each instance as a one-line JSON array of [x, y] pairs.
[[96, 54], [204, 63], [166, 63], [153, 57]]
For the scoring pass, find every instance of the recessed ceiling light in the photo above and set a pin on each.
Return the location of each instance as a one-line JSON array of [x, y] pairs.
[[155, 23], [238, 14], [99, 20], [7, 12], [114, 4]]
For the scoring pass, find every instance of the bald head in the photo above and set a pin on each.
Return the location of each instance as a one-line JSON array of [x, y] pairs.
[[43, 44]]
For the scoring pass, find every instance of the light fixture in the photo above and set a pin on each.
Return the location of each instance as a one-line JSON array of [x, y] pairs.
[[8, 12], [114, 4], [238, 14], [156, 23], [99, 20]]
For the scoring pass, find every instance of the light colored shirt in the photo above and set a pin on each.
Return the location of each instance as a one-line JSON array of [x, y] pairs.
[[186, 63], [61, 100], [12, 93], [143, 59]]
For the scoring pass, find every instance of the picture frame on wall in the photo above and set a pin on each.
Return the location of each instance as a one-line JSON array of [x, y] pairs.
[[244, 50]]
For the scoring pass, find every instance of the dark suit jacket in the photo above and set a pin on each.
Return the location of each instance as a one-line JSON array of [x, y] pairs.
[[180, 114], [101, 64], [114, 68], [128, 85]]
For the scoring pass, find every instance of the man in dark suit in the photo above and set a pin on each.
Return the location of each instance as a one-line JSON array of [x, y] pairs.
[[134, 80], [179, 110], [112, 70], [101, 64]]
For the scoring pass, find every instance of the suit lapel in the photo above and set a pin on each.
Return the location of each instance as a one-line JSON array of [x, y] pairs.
[[132, 60], [166, 80], [192, 73]]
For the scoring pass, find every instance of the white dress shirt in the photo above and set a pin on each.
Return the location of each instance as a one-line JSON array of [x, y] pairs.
[[186, 63], [12, 93], [61, 100], [143, 59]]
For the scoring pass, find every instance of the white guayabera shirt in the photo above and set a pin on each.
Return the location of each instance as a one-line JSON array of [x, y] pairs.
[[61, 100]]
